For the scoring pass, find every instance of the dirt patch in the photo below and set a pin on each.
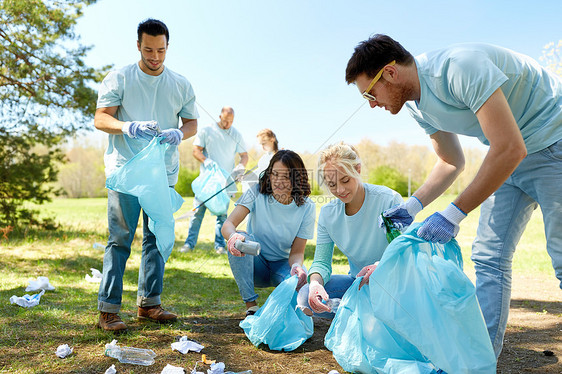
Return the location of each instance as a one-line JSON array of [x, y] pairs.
[[533, 342]]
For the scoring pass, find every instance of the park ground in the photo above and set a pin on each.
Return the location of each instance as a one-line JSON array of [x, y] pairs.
[[199, 287]]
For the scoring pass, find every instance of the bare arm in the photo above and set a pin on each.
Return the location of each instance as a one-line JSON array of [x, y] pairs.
[[189, 127], [234, 219], [198, 153], [450, 163], [507, 149], [105, 120], [297, 251], [244, 158]]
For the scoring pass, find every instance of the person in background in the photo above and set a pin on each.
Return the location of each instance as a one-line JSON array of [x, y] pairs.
[[281, 219], [134, 104], [270, 145], [347, 222], [509, 102], [219, 142]]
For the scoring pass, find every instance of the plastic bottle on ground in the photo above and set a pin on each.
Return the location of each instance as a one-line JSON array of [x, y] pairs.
[[98, 246], [130, 355]]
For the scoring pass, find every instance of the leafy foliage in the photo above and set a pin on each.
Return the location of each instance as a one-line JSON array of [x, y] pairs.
[[552, 57], [185, 177], [44, 97], [390, 177]]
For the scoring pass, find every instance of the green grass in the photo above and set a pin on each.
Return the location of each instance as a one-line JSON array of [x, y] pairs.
[[198, 286]]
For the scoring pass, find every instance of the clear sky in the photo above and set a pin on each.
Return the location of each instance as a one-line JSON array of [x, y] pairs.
[[281, 64]]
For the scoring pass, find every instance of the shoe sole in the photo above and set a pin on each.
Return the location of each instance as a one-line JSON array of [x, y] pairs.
[[160, 321], [120, 331]]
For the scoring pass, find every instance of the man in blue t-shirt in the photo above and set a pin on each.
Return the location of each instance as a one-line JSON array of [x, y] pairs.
[[218, 143], [135, 104], [509, 102]]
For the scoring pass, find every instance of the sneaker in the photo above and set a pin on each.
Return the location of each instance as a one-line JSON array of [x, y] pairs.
[[186, 248], [252, 310], [156, 313], [220, 250], [111, 322]]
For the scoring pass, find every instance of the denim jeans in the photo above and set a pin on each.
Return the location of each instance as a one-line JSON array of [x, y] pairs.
[[123, 216], [195, 226], [503, 217], [335, 288], [256, 271]]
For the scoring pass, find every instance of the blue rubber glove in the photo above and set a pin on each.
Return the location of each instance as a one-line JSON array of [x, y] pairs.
[[402, 215], [140, 129], [441, 227], [171, 136]]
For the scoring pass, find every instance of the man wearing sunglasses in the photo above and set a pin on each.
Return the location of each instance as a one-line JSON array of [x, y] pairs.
[[510, 103]]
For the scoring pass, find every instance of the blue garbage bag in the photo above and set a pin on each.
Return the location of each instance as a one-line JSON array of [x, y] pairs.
[[144, 176], [208, 183], [279, 323], [422, 293], [361, 343]]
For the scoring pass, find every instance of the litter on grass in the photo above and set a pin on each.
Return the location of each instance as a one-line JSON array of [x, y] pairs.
[[27, 301], [95, 277], [171, 369], [185, 345], [111, 370], [63, 350], [42, 283]]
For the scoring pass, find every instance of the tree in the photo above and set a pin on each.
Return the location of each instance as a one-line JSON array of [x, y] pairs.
[[45, 96], [552, 57], [388, 176]]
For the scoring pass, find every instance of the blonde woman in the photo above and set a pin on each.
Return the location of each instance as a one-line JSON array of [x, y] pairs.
[[350, 222]]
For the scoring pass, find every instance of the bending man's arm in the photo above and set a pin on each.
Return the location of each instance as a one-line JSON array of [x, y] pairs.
[[507, 150], [105, 120], [450, 163]]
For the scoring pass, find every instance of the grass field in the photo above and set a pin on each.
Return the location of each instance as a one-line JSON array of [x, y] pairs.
[[198, 286]]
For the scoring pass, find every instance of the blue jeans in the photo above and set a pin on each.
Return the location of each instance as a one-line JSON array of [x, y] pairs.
[[256, 271], [123, 216], [335, 288], [503, 217], [195, 226]]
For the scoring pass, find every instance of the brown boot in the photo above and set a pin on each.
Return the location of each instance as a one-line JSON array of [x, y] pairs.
[[156, 313], [111, 322]]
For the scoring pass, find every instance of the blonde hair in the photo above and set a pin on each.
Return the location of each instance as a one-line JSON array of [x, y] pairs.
[[267, 133], [342, 155]]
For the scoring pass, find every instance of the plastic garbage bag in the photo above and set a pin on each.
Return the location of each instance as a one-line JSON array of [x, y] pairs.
[[27, 301], [279, 323], [432, 303], [362, 343], [419, 299], [208, 183], [42, 283], [144, 176]]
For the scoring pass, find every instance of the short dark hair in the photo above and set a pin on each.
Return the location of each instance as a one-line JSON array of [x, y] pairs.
[[372, 54], [152, 27], [297, 173]]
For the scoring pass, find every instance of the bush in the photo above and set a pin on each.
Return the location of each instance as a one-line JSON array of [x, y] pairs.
[[185, 177], [390, 177]]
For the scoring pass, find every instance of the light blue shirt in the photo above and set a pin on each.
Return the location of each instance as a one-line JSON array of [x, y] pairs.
[[456, 81], [357, 236], [220, 145], [274, 225], [141, 97]]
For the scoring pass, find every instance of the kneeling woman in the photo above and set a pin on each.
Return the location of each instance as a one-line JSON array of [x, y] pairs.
[[281, 219], [350, 222]]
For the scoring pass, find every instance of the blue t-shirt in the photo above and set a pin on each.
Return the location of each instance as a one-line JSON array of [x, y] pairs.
[[274, 225], [357, 236], [456, 81], [141, 97], [220, 145]]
